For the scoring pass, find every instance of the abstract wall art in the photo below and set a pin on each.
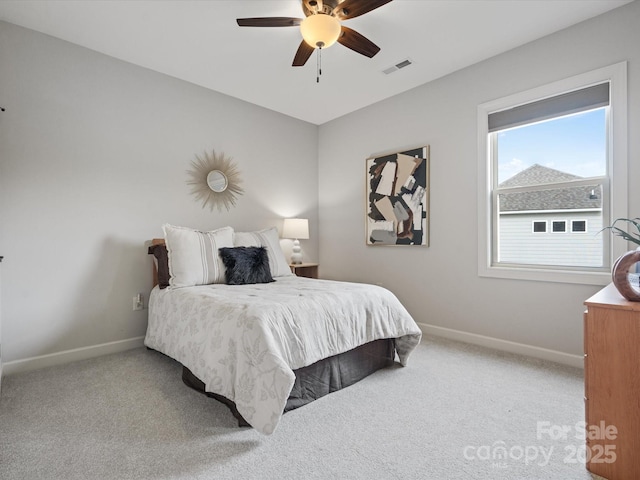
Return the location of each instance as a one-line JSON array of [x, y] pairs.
[[398, 198]]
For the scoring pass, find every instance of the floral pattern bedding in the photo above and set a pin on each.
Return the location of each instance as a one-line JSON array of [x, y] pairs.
[[244, 341]]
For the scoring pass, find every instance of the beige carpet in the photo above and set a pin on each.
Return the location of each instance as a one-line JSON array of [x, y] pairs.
[[455, 412]]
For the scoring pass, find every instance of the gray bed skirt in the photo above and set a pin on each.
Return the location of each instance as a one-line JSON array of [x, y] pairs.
[[321, 378]]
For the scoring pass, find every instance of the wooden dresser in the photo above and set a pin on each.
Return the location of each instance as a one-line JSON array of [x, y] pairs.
[[612, 385]]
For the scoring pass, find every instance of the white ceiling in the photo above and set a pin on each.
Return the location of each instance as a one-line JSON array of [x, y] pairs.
[[200, 42]]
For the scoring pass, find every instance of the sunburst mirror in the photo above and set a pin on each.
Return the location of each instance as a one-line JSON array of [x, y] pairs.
[[215, 180]]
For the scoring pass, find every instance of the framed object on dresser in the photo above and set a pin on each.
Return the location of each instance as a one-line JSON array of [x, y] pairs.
[[398, 198]]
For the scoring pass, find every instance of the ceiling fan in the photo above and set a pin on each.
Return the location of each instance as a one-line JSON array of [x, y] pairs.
[[322, 28]]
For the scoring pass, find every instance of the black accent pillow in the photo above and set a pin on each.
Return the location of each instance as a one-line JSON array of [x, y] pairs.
[[160, 252], [245, 265]]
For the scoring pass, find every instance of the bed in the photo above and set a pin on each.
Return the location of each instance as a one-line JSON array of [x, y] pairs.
[[268, 347]]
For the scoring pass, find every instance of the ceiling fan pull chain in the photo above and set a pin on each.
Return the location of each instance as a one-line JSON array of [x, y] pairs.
[[319, 65]]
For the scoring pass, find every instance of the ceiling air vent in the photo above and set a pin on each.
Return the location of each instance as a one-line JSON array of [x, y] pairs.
[[397, 66]]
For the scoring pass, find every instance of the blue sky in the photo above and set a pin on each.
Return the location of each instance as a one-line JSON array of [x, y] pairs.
[[574, 144]]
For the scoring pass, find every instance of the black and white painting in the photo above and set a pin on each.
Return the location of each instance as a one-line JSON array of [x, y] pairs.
[[398, 198]]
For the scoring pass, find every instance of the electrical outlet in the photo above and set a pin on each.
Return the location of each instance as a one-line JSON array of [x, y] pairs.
[[138, 302]]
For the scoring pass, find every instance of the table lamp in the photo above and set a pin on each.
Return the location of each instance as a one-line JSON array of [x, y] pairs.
[[296, 228]]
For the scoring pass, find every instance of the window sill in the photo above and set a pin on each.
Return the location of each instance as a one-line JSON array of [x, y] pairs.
[[546, 275]]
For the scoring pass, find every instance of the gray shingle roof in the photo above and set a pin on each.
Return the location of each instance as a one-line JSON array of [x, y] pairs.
[[571, 198], [537, 174]]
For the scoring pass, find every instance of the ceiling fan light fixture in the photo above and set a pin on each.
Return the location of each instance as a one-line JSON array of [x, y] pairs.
[[320, 30]]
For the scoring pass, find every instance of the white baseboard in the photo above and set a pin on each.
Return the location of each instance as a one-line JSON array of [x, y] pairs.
[[504, 345], [66, 356], [84, 353]]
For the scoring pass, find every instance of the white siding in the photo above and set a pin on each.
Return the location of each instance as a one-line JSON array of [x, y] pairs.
[[518, 243]]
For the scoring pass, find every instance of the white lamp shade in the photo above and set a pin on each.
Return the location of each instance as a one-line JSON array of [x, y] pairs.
[[320, 30], [295, 228]]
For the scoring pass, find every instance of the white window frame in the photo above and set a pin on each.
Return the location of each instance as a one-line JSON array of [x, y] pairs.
[[616, 75]]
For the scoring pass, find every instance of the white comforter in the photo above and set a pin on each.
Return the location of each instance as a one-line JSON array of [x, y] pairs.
[[243, 341]]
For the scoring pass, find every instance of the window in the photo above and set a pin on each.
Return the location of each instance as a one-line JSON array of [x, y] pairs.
[[539, 227], [559, 226], [550, 160], [545, 155], [578, 226]]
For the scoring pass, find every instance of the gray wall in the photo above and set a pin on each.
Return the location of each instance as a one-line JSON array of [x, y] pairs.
[[93, 155], [439, 285]]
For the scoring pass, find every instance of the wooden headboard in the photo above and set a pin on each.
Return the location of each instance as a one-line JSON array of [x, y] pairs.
[[156, 241]]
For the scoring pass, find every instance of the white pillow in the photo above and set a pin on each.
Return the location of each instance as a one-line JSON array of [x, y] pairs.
[[266, 238], [193, 255]]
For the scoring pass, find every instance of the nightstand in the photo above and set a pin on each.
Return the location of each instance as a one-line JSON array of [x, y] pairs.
[[309, 270]]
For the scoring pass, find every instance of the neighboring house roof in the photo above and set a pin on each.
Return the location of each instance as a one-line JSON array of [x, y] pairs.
[[537, 174], [570, 198]]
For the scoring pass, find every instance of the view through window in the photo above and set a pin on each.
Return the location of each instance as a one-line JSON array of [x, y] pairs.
[[548, 190]]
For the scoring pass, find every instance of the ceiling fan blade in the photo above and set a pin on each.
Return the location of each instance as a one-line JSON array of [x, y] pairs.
[[269, 22], [302, 55], [355, 8], [358, 43]]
